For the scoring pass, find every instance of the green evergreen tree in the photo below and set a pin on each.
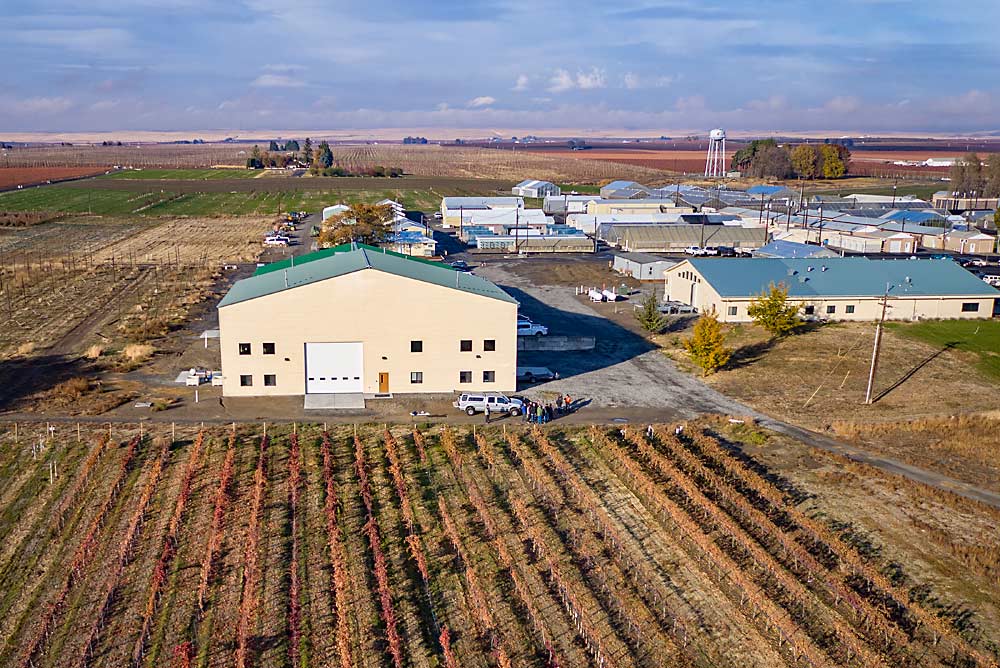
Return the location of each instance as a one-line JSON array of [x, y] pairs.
[[324, 156], [649, 317], [706, 345]]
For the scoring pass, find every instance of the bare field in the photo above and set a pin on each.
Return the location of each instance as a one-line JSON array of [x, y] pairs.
[[429, 160], [395, 546], [67, 285], [11, 177]]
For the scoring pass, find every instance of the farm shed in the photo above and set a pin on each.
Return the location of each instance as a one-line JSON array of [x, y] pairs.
[[537, 243], [332, 326], [642, 266], [413, 243], [665, 238], [838, 288], [537, 189], [454, 208], [624, 190]]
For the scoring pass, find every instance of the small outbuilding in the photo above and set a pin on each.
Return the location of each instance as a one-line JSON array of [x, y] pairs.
[[536, 189], [641, 266]]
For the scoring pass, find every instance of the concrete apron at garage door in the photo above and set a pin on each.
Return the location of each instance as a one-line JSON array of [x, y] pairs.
[[339, 401]]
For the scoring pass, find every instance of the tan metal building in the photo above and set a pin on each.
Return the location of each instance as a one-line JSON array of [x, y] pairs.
[[665, 238], [835, 288], [365, 322]]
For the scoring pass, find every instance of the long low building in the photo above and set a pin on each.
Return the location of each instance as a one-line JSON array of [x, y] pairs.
[[366, 322], [666, 238], [839, 288], [453, 209]]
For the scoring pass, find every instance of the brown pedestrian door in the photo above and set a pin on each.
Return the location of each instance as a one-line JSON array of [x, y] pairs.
[[383, 383]]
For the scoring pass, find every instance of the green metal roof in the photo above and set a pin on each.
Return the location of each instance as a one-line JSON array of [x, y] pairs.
[[333, 250], [333, 265], [841, 277]]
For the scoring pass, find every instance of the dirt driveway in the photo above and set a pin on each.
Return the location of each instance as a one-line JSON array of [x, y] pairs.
[[624, 371]]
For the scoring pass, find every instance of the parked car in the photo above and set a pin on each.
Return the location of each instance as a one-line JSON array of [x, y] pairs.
[[726, 251], [699, 251], [473, 403], [460, 265], [674, 308], [525, 328], [530, 374], [276, 241], [437, 215]]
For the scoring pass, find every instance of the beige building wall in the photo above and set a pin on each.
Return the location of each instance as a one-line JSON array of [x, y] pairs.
[[626, 206], [385, 312], [684, 284]]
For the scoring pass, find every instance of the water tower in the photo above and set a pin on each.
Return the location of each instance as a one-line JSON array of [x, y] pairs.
[[715, 164]]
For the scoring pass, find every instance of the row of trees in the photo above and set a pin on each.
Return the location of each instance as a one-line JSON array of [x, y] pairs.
[[763, 158], [971, 176]]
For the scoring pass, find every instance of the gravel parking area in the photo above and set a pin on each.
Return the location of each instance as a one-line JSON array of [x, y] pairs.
[[624, 371]]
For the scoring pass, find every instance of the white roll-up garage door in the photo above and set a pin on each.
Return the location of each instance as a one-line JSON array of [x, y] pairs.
[[334, 368]]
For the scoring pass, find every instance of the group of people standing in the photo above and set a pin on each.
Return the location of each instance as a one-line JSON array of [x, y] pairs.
[[539, 413]]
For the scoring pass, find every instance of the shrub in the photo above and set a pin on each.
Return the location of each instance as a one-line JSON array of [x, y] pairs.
[[26, 348], [707, 345], [772, 311], [70, 389], [138, 352], [93, 352]]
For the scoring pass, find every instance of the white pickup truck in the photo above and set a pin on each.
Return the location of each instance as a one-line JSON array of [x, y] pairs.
[[526, 328]]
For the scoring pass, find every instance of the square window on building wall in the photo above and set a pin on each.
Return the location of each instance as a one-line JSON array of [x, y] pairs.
[[270, 380], [246, 380], [465, 345], [268, 348], [416, 377], [416, 346], [244, 349], [489, 345], [489, 376], [465, 376]]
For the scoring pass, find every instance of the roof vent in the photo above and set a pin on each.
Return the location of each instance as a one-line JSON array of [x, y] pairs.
[[824, 268], [809, 268], [803, 279], [792, 272], [908, 279]]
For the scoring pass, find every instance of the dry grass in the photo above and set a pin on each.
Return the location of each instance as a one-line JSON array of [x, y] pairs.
[[966, 446], [819, 377], [26, 348], [138, 352], [94, 352], [71, 389]]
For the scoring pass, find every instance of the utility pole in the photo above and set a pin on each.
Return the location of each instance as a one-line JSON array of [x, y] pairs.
[[875, 350]]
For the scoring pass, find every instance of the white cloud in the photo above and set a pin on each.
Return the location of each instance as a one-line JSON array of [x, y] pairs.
[[563, 81], [481, 101], [104, 105], [276, 81], [593, 79], [631, 80], [522, 83], [286, 68]]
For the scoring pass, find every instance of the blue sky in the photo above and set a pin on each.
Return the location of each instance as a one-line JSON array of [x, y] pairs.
[[768, 65]]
